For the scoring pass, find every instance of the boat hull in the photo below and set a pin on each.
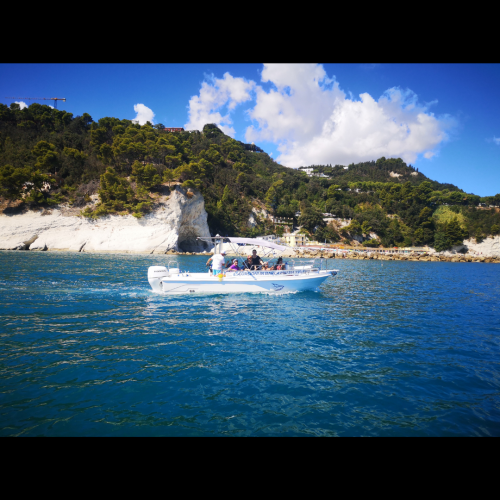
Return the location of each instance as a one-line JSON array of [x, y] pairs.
[[238, 283]]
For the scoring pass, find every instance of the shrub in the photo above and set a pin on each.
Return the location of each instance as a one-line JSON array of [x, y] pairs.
[[371, 243]]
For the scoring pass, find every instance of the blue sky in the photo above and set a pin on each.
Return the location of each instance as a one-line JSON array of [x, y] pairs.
[[441, 118]]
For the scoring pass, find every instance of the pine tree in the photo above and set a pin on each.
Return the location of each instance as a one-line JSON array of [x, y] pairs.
[[454, 233], [441, 241]]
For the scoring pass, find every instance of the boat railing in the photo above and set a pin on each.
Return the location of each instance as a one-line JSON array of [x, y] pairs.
[[290, 268], [305, 265], [286, 272]]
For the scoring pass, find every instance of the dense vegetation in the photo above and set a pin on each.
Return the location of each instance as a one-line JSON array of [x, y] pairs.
[[48, 157]]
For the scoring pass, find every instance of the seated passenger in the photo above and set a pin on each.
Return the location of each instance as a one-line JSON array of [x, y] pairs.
[[265, 266], [279, 265], [234, 266], [248, 263], [256, 260]]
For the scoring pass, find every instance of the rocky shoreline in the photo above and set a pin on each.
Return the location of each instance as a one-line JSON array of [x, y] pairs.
[[414, 257]]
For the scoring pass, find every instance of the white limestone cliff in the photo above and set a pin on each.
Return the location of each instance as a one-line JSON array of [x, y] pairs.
[[173, 225], [489, 247]]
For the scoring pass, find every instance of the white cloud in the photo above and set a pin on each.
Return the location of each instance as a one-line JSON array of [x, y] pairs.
[[22, 104], [496, 140], [144, 114], [314, 122], [227, 91]]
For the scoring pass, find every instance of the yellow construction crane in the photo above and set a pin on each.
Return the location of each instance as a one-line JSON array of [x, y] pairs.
[[55, 99]]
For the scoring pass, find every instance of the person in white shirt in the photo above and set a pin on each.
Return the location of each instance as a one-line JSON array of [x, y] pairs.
[[218, 262]]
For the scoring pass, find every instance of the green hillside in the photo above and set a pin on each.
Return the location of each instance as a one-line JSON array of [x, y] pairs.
[[378, 171], [48, 157]]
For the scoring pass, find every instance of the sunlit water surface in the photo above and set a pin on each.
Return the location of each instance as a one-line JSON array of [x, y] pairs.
[[399, 348]]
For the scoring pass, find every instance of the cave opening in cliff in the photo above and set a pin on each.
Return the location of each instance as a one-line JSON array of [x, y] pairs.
[[191, 244]]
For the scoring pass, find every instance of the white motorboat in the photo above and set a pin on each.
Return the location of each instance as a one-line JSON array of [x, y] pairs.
[[309, 275]]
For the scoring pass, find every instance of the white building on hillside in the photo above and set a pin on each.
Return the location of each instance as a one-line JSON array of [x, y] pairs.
[[310, 172]]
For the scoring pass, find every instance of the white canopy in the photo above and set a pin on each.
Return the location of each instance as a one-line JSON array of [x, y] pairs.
[[256, 242]]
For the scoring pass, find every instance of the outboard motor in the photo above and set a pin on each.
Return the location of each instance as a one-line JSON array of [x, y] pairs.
[[155, 273]]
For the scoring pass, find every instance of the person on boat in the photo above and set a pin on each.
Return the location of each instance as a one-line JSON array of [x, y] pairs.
[[265, 266], [279, 264], [234, 266], [248, 263], [256, 260], [218, 262]]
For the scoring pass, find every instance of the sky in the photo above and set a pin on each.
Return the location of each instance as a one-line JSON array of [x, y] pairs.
[[443, 119]]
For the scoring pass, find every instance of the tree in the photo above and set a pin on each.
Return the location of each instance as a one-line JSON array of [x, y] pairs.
[[418, 236], [38, 188], [73, 164], [454, 233], [441, 242], [145, 175], [168, 176], [273, 195], [47, 158], [86, 119], [115, 192], [212, 130], [365, 227], [328, 233], [189, 184], [371, 243], [105, 153], [311, 218], [335, 192], [98, 136], [12, 181], [354, 228], [192, 171]]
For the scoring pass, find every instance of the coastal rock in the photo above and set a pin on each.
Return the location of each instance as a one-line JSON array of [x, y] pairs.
[[489, 247], [174, 225]]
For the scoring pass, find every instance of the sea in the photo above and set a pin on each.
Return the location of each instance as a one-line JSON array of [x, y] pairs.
[[382, 349]]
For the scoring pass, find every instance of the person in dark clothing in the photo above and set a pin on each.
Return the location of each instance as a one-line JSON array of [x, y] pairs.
[[247, 264], [256, 260]]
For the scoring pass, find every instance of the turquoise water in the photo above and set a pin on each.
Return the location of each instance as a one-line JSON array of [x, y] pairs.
[[399, 348]]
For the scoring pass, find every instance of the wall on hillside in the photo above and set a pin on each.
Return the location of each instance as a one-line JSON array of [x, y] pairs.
[[173, 225]]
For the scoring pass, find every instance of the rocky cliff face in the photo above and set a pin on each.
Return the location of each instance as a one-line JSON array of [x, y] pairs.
[[489, 247], [173, 225]]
